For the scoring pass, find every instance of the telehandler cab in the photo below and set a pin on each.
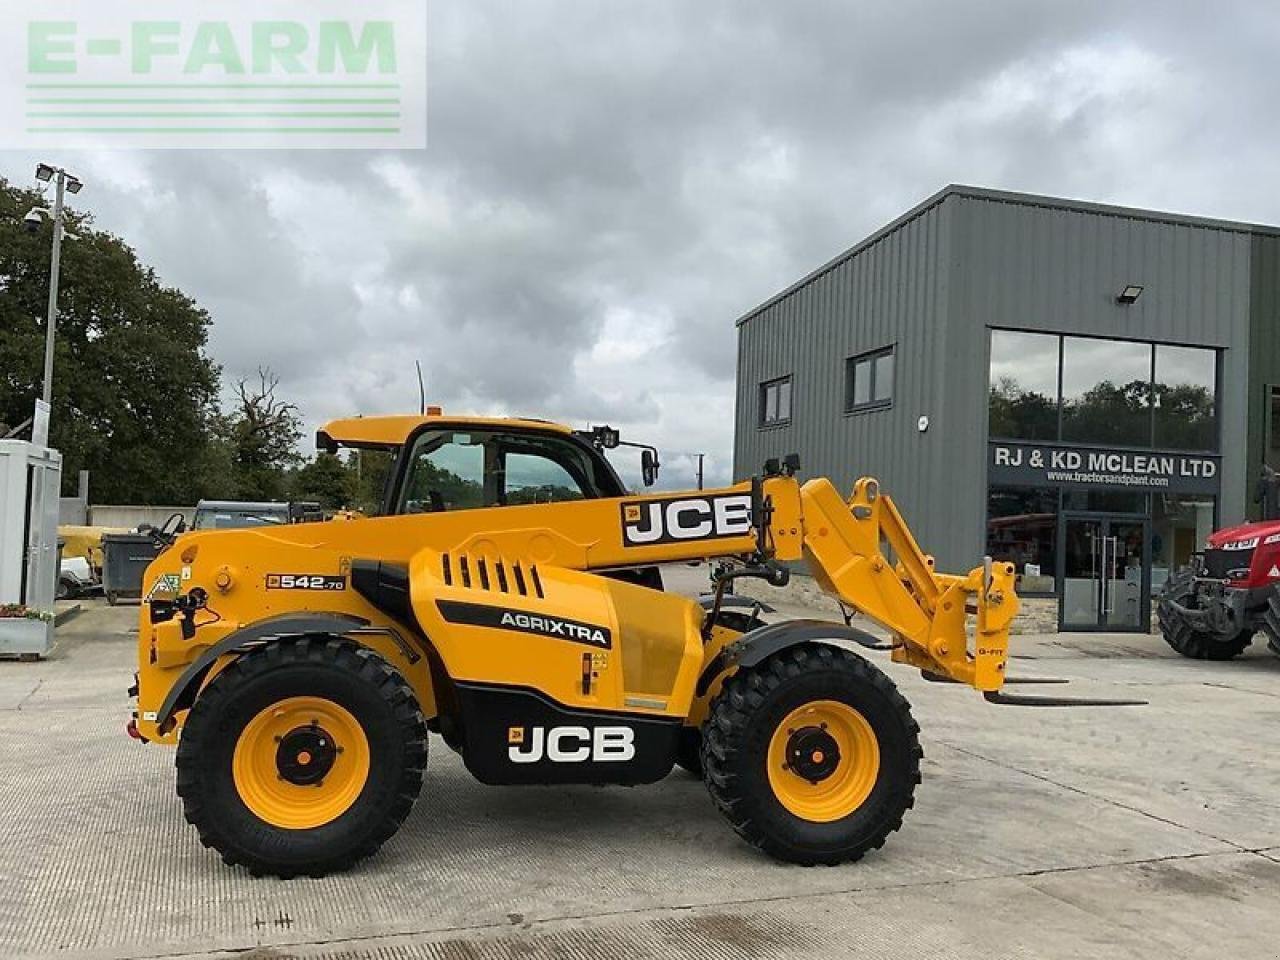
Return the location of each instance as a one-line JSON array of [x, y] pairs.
[[508, 599]]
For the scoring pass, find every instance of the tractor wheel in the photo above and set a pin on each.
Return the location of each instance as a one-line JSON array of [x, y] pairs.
[[1187, 641], [1271, 621], [689, 746], [302, 758], [689, 751], [813, 755]]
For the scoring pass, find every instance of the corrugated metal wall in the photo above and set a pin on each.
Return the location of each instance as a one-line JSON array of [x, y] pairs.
[[1042, 268], [1264, 345], [934, 286], [892, 292]]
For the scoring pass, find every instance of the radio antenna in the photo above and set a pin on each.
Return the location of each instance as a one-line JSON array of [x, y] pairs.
[[422, 391]]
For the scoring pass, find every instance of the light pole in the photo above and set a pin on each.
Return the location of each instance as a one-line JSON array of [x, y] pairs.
[[65, 183]]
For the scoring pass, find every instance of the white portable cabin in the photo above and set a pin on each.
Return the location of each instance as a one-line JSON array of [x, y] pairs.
[[30, 481]]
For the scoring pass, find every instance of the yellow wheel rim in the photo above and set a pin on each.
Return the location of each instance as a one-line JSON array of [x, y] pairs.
[[823, 761], [301, 763]]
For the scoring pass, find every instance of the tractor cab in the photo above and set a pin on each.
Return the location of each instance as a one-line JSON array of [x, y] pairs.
[[439, 464]]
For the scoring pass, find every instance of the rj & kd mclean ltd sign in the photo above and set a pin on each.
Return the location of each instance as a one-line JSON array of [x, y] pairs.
[[1050, 465]]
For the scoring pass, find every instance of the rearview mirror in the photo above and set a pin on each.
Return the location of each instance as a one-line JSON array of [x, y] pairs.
[[648, 466]]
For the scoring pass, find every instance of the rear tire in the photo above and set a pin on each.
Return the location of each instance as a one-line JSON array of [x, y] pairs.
[[1271, 621], [809, 813], [302, 758], [1182, 637]]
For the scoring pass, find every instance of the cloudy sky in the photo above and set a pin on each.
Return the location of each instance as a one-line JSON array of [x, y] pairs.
[[608, 185]]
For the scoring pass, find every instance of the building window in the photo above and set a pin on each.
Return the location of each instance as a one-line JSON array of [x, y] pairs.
[[1024, 385], [869, 381], [1116, 393], [1106, 392], [1180, 525], [1184, 397], [1104, 501], [1022, 529], [775, 402]]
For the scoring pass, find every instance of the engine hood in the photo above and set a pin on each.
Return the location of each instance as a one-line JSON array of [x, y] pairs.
[[1242, 532]]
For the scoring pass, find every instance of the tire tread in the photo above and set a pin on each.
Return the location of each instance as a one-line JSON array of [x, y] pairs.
[[747, 692], [344, 655], [1180, 636]]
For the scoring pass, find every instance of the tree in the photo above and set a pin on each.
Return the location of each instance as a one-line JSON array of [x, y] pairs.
[[372, 469], [1021, 414], [327, 480], [1185, 416], [262, 435], [432, 487], [133, 391]]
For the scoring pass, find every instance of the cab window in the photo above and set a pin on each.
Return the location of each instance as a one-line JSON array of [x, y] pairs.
[[463, 470], [534, 478]]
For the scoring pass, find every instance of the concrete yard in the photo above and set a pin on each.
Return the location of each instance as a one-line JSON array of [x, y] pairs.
[[1038, 833]]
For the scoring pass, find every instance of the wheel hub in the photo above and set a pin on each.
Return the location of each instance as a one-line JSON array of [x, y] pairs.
[[823, 760], [812, 753], [301, 762], [306, 755]]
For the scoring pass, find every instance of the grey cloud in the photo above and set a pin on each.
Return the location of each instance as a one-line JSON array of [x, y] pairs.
[[608, 186]]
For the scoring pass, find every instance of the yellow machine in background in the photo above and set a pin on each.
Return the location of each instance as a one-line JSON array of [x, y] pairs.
[[509, 599], [86, 542]]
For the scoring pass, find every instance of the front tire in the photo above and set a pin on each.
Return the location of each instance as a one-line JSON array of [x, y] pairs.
[[812, 755], [302, 758], [1180, 635], [689, 746], [689, 751]]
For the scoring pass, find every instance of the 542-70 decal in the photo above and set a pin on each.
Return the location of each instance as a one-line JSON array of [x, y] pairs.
[[305, 581]]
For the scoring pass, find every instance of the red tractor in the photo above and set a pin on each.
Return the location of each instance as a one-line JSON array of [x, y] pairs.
[[1211, 609]]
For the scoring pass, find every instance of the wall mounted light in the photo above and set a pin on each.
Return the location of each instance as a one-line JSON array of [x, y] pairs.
[[1130, 294]]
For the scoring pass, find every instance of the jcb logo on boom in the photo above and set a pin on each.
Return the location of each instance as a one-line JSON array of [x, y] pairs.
[[680, 519], [571, 744]]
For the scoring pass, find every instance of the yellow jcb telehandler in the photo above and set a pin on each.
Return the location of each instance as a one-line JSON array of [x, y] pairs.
[[509, 599]]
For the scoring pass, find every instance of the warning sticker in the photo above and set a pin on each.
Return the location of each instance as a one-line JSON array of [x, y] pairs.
[[166, 583]]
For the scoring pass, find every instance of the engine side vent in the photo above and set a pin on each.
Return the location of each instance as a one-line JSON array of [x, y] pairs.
[[492, 574]]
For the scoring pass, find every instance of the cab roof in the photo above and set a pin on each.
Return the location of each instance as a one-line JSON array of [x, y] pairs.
[[393, 431]]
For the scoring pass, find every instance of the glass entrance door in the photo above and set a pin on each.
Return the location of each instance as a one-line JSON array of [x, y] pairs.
[[1104, 564]]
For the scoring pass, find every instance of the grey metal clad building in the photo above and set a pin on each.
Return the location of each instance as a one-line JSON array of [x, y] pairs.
[[1084, 390]]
